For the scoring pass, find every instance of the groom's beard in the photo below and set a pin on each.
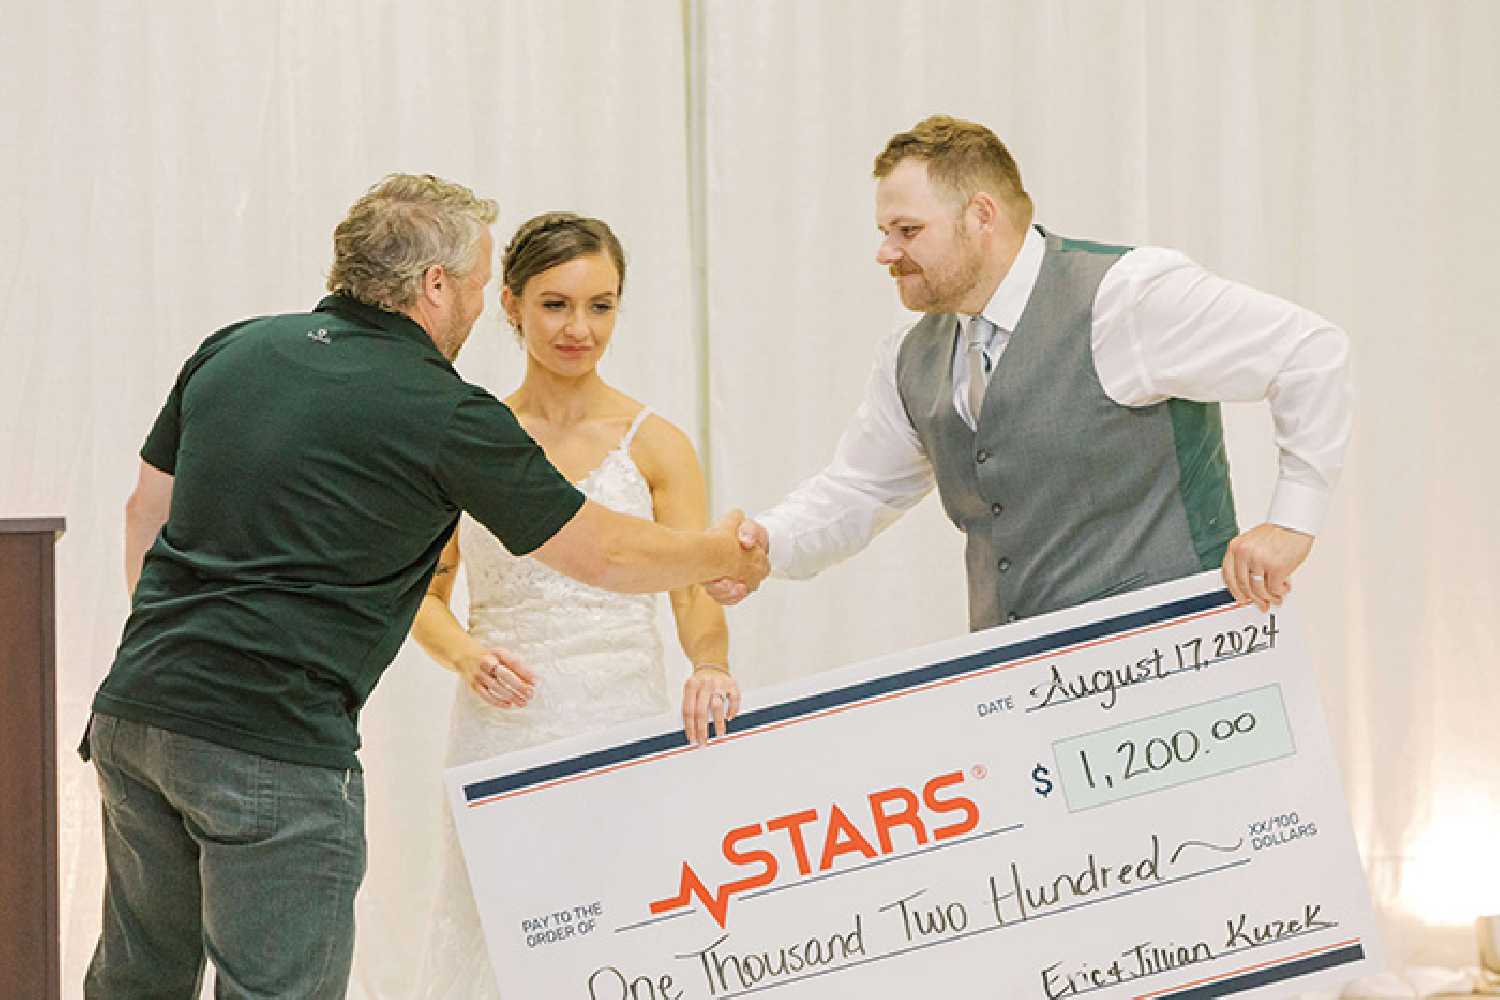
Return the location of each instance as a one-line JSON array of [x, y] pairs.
[[940, 290]]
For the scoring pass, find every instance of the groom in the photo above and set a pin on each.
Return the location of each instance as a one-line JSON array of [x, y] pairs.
[[294, 495], [1063, 397]]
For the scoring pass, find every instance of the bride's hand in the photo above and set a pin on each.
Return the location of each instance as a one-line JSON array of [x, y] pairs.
[[497, 677], [709, 692]]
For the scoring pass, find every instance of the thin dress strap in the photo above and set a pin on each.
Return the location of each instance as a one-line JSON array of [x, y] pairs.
[[634, 426]]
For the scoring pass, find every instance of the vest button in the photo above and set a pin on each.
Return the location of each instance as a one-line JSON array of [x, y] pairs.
[[982, 456], [1004, 564], [996, 508]]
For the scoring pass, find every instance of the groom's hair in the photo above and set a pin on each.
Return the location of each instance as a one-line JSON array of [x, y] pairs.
[[963, 157], [401, 227]]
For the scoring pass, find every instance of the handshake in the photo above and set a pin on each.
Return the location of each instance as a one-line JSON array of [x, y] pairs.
[[754, 559]]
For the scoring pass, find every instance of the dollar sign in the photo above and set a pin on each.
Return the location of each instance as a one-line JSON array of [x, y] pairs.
[[1043, 779]]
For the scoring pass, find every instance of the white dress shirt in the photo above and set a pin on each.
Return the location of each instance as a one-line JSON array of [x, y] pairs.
[[1163, 327]]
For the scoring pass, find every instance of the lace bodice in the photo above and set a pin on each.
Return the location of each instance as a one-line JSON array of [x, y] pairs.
[[520, 601]]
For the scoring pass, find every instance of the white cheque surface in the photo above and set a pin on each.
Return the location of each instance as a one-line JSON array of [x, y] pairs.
[[1135, 798]]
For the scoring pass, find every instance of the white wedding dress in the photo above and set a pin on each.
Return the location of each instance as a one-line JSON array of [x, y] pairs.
[[598, 661]]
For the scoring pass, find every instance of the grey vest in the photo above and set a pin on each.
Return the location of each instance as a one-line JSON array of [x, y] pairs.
[[1064, 495]]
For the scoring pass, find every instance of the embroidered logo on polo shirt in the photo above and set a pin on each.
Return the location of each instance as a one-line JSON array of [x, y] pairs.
[[321, 336]]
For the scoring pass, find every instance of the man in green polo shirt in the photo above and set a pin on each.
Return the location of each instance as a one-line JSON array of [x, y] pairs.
[[294, 495]]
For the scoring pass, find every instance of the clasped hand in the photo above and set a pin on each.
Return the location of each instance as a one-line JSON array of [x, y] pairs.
[[755, 563]]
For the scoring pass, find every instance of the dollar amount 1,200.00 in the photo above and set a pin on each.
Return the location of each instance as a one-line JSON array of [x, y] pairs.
[[1184, 745]]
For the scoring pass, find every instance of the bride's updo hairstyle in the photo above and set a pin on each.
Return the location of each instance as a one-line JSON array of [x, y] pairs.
[[555, 238]]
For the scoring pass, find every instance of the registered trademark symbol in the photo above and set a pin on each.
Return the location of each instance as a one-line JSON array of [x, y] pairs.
[[980, 772]]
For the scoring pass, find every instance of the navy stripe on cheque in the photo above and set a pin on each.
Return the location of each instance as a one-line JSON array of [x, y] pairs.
[[862, 691], [1264, 977]]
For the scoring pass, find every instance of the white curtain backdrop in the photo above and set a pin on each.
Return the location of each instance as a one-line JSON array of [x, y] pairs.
[[171, 167]]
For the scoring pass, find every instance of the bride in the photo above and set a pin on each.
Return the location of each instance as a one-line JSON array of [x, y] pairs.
[[545, 657]]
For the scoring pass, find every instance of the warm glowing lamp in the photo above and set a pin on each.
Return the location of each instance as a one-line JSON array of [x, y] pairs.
[[1448, 876], [1446, 881]]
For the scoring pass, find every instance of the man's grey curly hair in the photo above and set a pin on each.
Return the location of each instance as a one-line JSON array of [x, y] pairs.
[[401, 227]]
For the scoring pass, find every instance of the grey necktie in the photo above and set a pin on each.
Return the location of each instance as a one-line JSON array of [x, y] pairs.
[[979, 364]]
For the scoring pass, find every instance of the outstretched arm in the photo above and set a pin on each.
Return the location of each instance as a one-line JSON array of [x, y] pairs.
[[630, 555], [878, 472]]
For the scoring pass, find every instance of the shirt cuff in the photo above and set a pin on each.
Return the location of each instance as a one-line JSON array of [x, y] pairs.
[[780, 544], [1298, 507]]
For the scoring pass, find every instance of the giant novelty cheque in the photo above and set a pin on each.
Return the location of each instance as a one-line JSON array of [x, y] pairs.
[[1134, 798]]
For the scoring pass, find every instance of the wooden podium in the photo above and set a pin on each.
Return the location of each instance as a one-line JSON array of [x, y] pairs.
[[29, 953]]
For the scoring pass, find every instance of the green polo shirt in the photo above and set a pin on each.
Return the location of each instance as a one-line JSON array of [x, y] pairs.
[[320, 461]]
